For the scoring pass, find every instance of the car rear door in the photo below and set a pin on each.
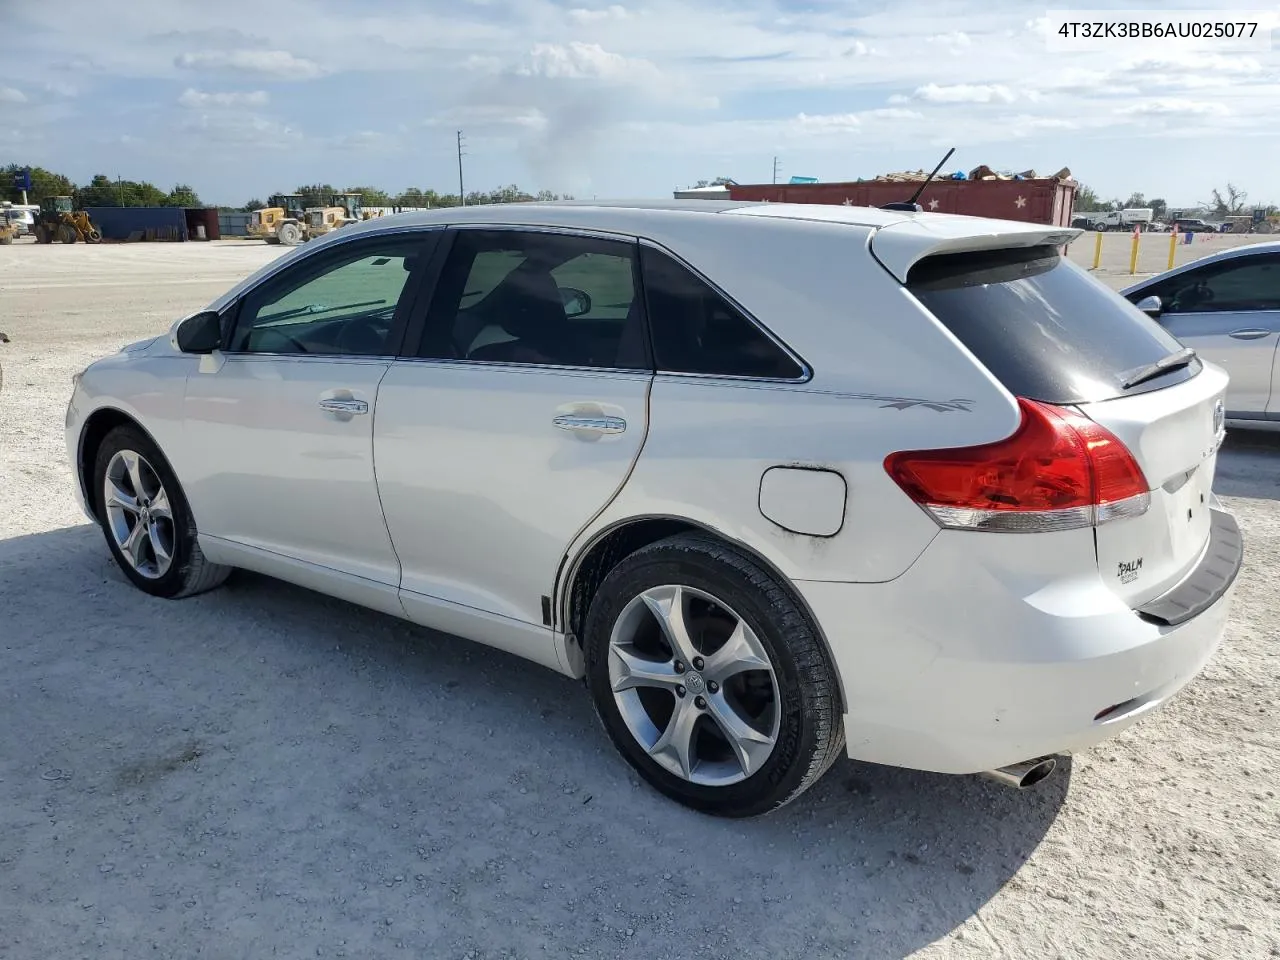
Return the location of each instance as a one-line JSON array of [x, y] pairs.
[[1050, 333], [1229, 312], [514, 419]]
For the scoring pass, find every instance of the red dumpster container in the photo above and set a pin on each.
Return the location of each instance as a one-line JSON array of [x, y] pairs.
[[1046, 201]]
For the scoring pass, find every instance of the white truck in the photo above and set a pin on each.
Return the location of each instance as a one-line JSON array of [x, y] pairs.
[[1126, 219]]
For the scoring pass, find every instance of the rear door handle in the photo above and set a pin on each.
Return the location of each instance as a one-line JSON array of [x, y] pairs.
[[349, 407], [588, 424], [1249, 333]]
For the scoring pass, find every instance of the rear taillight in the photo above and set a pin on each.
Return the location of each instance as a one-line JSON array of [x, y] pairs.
[[1058, 471]]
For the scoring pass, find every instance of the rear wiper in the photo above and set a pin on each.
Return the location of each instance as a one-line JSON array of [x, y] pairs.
[[1183, 358]]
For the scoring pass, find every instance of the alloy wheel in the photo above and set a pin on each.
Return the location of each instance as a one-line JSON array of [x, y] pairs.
[[694, 685], [139, 514]]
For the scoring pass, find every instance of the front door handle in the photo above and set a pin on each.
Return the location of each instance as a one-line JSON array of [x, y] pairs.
[[1249, 333], [589, 424], [349, 407]]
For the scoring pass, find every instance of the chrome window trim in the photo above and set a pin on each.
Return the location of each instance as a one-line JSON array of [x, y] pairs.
[[806, 371], [643, 373]]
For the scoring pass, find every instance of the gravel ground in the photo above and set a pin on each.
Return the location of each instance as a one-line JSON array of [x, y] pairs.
[[262, 771]]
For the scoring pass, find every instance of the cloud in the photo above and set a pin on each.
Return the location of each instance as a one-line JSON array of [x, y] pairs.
[[198, 99], [12, 95], [279, 64], [894, 113], [583, 61], [1174, 107], [236, 129], [965, 93], [831, 122], [490, 116], [614, 12]]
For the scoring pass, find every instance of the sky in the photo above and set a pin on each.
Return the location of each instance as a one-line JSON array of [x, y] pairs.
[[242, 98]]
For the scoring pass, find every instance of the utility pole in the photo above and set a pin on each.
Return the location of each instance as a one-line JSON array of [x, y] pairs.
[[462, 197], [775, 169]]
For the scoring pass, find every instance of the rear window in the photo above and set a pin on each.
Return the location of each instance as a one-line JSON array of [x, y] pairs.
[[1042, 326]]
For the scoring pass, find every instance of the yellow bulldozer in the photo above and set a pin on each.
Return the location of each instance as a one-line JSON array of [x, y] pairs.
[[57, 221], [8, 228], [344, 208], [282, 221]]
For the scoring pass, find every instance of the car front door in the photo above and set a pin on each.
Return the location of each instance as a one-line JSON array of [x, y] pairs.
[[1229, 312], [515, 418], [279, 424]]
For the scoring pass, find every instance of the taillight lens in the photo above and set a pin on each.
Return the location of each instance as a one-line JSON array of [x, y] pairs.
[[1058, 471]]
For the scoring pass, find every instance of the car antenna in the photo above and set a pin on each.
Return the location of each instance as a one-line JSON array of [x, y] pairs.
[[911, 205]]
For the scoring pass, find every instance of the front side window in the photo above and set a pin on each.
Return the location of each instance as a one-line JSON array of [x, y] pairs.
[[523, 297], [696, 330], [1251, 283], [341, 302]]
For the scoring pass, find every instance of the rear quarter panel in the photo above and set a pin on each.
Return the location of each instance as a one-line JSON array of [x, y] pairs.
[[885, 377]]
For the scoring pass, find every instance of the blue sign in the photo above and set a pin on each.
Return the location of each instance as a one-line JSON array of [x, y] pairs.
[[22, 179], [804, 179]]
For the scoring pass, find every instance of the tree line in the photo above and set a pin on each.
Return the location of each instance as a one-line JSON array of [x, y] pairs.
[[1230, 202], [318, 195], [103, 191]]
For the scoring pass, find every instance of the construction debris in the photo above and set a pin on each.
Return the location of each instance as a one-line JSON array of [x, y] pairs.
[[982, 172]]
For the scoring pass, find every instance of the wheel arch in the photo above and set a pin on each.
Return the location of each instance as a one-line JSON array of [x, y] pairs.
[[580, 576], [95, 429]]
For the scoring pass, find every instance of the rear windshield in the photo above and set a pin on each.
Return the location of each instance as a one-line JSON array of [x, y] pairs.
[[1043, 327]]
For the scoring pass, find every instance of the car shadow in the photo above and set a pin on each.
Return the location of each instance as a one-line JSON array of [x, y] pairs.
[[1249, 464], [266, 749]]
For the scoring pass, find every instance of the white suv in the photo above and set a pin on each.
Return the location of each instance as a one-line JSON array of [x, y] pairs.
[[782, 483]]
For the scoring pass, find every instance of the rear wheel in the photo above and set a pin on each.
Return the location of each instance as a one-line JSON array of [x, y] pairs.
[[146, 520], [44, 234], [67, 233], [709, 678], [289, 234]]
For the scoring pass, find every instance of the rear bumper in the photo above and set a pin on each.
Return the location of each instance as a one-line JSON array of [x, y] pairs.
[[959, 666]]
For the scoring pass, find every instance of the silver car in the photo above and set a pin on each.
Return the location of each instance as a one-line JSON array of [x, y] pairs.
[[1227, 307]]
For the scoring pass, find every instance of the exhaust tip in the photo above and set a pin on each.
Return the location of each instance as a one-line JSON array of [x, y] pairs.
[[1041, 771], [1020, 776]]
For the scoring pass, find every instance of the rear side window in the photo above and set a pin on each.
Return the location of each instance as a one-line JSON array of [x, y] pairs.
[[1042, 326], [695, 330], [1249, 283]]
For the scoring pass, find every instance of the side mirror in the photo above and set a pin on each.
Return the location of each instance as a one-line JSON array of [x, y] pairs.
[[1151, 306], [200, 333], [576, 302]]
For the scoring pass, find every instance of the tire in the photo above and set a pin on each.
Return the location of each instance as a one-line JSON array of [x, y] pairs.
[[290, 235], [67, 234], [44, 234], [187, 571], [713, 585]]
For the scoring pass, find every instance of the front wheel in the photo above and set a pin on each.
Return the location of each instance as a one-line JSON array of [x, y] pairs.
[[710, 679], [290, 234], [146, 520]]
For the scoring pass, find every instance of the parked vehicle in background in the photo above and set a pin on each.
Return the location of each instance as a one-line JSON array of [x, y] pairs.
[[956, 514], [283, 220], [1227, 307], [21, 217], [58, 221], [1127, 219], [1193, 225]]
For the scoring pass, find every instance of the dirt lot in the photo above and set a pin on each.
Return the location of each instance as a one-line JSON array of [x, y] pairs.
[[261, 771]]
